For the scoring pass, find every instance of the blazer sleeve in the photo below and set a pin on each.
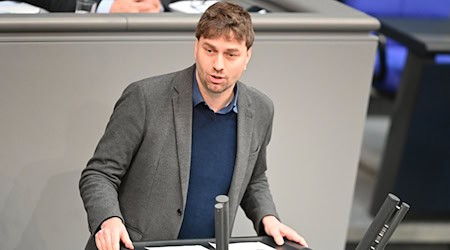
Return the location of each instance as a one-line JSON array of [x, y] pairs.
[[101, 179], [257, 201], [63, 5]]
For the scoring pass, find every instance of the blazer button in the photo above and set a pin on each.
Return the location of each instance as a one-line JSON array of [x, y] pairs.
[[179, 212]]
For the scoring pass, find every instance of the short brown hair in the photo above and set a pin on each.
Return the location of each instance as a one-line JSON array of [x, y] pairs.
[[226, 19]]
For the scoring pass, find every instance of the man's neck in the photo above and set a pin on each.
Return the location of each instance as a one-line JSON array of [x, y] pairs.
[[217, 102]]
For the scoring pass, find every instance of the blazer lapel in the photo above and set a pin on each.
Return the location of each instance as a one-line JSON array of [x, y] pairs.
[[182, 110], [245, 124]]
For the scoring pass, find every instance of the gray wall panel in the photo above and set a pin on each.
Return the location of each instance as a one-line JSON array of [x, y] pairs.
[[56, 98]]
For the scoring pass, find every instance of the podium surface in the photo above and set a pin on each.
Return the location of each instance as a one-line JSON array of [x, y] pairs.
[[288, 245]]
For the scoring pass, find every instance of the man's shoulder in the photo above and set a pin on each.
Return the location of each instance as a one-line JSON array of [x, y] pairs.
[[156, 81], [257, 98], [164, 82]]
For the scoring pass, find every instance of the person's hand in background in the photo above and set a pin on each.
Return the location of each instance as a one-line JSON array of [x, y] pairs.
[[136, 6]]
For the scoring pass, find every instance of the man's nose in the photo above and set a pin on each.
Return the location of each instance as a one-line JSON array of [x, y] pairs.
[[218, 63]]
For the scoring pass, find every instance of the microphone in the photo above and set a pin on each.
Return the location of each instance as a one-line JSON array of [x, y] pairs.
[[222, 222]]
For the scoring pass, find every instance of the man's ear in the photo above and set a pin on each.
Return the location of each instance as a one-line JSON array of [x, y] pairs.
[[249, 56]]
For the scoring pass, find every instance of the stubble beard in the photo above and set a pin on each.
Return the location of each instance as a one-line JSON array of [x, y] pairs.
[[214, 89]]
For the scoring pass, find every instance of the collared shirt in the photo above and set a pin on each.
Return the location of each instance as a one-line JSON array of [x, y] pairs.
[[197, 98], [104, 6]]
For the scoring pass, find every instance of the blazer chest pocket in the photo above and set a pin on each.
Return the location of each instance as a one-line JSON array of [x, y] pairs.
[[254, 152]]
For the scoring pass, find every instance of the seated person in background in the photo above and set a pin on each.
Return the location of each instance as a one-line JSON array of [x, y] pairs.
[[129, 6], [104, 6]]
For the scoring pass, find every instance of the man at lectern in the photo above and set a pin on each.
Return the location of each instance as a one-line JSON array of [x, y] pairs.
[[176, 141]]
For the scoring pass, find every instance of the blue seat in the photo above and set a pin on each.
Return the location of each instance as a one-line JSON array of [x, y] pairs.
[[392, 56]]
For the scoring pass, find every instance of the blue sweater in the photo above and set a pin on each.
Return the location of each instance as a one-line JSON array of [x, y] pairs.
[[212, 163]]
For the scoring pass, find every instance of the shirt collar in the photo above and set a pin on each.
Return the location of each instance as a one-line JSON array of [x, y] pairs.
[[198, 98]]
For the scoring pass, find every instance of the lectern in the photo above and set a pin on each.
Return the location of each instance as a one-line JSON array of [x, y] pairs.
[[288, 245]]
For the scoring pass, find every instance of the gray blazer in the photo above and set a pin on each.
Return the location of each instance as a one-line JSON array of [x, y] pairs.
[[140, 168]]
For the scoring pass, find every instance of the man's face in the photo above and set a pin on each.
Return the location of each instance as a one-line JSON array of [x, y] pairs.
[[220, 63]]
